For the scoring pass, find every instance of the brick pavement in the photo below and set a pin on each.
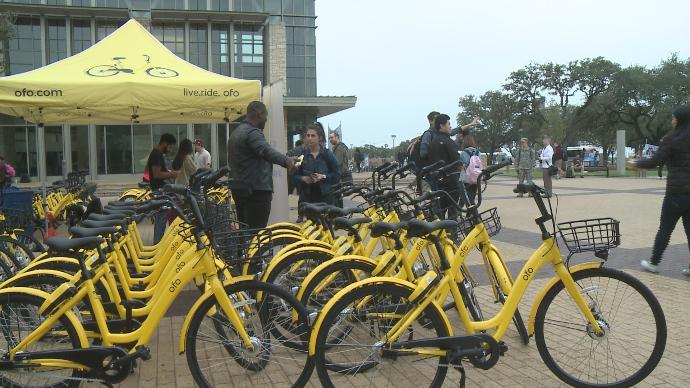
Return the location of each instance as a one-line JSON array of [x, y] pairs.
[[636, 202]]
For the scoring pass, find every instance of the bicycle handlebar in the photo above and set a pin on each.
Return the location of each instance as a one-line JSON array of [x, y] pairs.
[[493, 168]]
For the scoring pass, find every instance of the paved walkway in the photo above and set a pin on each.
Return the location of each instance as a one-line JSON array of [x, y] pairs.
[[635, 202]]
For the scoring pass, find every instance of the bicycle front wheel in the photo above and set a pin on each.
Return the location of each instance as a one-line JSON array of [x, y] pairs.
[[634, 335], [351, 343], [217, 356]]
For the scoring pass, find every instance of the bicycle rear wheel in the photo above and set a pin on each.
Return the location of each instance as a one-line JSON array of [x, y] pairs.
[[634, 335], [352, 336]]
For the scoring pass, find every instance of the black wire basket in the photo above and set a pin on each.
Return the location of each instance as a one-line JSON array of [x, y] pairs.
[[593, 235], [490, 219], [15, 219], [240, 246], [220, 215]]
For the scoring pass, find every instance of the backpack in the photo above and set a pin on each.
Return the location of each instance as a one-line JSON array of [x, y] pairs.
[[474, 168], [413, 151]]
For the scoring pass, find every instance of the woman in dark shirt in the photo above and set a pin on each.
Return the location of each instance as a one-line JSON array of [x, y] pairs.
[[674, 152], [318, 171]]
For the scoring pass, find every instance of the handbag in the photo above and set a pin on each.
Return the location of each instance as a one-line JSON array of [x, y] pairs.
[[553, 170]]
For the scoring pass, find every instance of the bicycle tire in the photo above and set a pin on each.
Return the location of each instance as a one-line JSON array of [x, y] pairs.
[[7, 328], [5, 270], [280, 275], [22, 254], [635, 318], [361, 373], [280, 356], [308, 299], [31, 242], [517, 319], [103, 71], [161, 72]]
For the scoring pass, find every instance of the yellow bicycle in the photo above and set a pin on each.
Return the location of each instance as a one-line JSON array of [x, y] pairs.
[[583, 319]]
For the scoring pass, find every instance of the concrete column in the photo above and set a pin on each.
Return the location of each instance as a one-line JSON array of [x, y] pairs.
[[277, 137], [215, 147], [41, 151], [620, 154], [66, 150], [93, 152]]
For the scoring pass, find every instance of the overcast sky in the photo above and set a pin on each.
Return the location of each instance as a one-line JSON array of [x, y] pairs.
[[404, 58]]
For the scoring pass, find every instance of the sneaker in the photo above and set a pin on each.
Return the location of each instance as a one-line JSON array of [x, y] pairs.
[[649, 267], [686, 271], [520, 195]]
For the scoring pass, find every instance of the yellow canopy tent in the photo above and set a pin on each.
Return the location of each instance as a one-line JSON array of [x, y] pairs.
[[127, 77]]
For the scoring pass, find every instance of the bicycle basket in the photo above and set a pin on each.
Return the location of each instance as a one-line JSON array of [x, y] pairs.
[[15, 218], [243, 245], [219, 215], [593, 235], [490, 219]]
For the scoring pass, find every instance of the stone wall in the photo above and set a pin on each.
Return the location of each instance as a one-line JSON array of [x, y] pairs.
[[277, 53]]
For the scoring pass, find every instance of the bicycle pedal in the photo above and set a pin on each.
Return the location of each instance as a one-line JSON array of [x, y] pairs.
[[502, 348], [144, 352]]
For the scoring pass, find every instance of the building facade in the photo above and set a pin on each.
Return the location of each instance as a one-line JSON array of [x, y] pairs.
[[266, 40]]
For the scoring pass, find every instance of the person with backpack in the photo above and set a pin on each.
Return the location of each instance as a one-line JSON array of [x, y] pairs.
[[443, 148], [472, 166], [524, 162], [6, 172], [418, 152]]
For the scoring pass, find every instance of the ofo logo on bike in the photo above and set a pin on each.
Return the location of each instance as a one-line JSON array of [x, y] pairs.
[[38, 93]]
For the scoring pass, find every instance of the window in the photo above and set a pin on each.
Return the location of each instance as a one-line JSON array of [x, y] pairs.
[[168, 4], [171, 35], [220, 49], [114, 144], [79, 138], [25, 46], [112, 3], [248, 5], [55, 2], [198, 44], [201, 5], [54, 151], [249, 52], [106, 27], [18, 146], [56, 40], [81, 35], [273, 7], [81, 3], [222, 145], [301, 61], [220, 5]]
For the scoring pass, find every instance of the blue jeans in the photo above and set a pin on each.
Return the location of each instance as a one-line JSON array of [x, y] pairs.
[[160, 222]]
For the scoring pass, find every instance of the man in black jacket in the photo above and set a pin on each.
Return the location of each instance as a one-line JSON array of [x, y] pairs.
[[442, 147], [251, 161], [674, 152]]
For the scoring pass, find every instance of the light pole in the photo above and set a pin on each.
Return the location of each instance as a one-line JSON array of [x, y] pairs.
[[393, 137]]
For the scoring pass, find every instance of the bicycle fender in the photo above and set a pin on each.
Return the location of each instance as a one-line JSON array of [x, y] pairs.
[[279, 259], [302, 243], [284, 226], [325, 264], [81, 333], [208, 294], [52, 259], [361, 283], [38, 272], [547, 287]]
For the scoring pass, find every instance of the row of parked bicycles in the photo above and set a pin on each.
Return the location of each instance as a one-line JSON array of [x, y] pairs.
[[362, 296]]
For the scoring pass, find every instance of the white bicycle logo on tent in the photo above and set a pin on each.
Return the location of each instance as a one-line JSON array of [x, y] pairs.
[[115, 69]]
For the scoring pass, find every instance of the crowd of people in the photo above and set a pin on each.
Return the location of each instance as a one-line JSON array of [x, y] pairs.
[[251, 159]]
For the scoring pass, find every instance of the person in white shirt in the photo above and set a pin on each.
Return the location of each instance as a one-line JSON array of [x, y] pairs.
[[545, 161], [202, 157]]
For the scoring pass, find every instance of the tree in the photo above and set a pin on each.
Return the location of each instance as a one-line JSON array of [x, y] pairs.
[[498, 112], [7, 20], [525, 86]]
